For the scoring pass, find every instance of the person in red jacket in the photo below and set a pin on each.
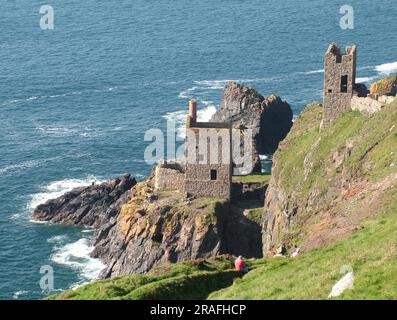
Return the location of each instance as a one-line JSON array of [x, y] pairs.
[[239, 264]]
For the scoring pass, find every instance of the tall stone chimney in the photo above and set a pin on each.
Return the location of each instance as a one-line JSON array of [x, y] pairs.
[[193, 111]]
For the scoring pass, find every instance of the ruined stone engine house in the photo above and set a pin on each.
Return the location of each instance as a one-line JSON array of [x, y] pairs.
[[202, 174], [341, 92], [339, 81]]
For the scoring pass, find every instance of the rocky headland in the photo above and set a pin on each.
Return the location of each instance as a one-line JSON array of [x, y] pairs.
[[138, 227], [91, 206], [332, 194]]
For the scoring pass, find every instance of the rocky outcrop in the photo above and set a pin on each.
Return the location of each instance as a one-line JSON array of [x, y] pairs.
[[387, 87], [91, 206], [138, 227], [270, 118], [156, 227], [322, 179]]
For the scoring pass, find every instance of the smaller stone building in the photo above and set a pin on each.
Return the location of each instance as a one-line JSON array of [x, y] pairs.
[[170, 176]]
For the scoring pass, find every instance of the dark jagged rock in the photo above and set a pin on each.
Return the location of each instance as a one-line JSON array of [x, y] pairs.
[[360, 89], [91, 206], [270, 118], [171, 229]]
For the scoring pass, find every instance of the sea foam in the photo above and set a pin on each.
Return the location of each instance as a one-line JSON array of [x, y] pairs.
[[179, 117], [365, 79], [76, 255], [314, 71], [25, 165], [387, 68], [58, 188]]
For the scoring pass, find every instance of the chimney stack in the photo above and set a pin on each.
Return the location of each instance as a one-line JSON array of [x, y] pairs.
[[193, 110]]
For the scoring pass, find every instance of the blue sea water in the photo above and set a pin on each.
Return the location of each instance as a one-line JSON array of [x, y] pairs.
[[76, 101]]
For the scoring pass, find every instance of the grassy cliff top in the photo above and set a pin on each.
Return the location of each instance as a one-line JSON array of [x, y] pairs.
[[309, 158], [371, 253], [262, 178], [187, 280]]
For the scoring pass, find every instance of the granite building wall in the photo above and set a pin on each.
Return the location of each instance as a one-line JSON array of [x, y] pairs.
[[339, 81], [170, 176], [205, 177]]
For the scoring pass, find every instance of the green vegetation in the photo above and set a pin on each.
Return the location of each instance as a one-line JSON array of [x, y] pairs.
[[262, 178], [371, 252], [309, 159], [252, 209], [189, 280], [310, 164], [255, 215]]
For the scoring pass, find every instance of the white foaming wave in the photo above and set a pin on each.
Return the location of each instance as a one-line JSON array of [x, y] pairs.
[[220, 84], [205, 114], [57, 239], [187, 94], [25, 165], [179, 117], [76, 255], [18, 294], [58, 188], [88, 231], [60, 95], [382, 71], [365, 79], [212, 84], [64, 131], [315, 71], [57, 131], [140, 176], [387, 68], [200, 87]]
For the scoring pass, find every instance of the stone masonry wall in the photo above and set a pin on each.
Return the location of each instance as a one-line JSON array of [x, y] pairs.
[[368, 105], [198, 182], [337, 65], [169, 177]]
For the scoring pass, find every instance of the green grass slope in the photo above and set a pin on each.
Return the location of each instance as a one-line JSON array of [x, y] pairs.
[[310, 159], [189, 280], [371, 253], [332, 173]]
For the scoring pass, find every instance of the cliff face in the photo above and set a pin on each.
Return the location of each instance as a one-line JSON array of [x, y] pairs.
[[157, 227], [270, 118], [325, 183], [138, 228]]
